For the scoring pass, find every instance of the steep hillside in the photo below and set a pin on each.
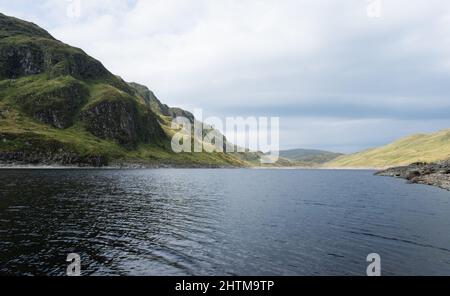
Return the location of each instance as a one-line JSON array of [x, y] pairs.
[[417, 148], [60, 106]]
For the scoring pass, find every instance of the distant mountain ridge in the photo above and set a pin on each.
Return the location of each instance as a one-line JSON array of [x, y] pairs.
[[309, 157], [428, 148]]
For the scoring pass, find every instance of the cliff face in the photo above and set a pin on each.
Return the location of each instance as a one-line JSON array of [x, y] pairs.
[[59, 105], [121, 120], [54, 102], [22, 54]]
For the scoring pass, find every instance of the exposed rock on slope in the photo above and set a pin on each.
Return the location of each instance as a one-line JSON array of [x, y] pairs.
[[11, 26], [156, 106], [150, 99], [120, 119], [54, 102], [38, 150]]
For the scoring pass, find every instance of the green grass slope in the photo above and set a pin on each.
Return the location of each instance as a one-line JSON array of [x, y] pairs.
[[416, 148]]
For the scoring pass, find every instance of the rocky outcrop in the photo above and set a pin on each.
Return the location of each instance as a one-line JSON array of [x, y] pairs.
[[121, 120], [21, 56], [113, 120], [436, 174], [149, 129], [21, 60], [156, 106], [11, 26], [177, 112], [56, 105], [150, 99], [26, 49]]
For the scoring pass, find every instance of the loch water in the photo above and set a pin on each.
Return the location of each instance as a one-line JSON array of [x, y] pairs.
[[220, 222]]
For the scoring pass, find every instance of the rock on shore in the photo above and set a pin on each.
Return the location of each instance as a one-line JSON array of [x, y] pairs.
[[49, 159], [435, 174]]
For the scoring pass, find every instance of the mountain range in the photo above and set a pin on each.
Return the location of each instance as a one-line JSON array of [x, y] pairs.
[[309, 157], [58, 105]]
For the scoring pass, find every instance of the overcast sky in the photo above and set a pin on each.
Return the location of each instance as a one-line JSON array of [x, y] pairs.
[[338, 77]]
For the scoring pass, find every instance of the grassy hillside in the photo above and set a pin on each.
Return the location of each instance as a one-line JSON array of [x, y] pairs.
[[309, 157], [59, 105], [417, 148]]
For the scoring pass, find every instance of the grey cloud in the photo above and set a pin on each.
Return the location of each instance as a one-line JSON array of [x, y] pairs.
[[297, 59]]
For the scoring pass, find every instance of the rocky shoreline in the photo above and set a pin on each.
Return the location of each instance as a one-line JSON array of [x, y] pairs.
[[24, 160], [50, 159], [435, 174]]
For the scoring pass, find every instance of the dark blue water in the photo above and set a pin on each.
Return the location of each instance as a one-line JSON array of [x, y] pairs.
[[220, 222]]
